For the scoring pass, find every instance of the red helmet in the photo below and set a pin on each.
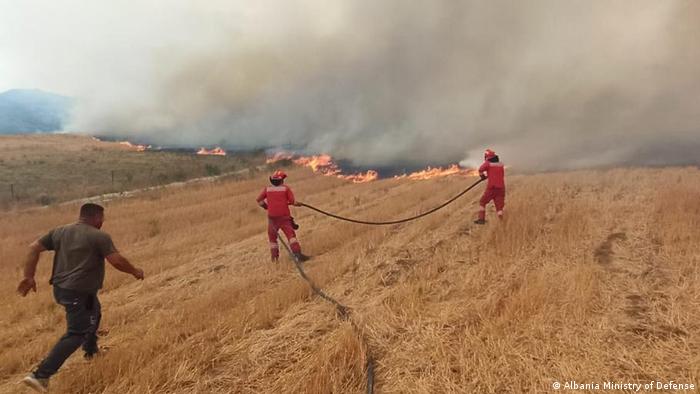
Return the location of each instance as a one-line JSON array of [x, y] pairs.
[[278, 175], [489, 154]]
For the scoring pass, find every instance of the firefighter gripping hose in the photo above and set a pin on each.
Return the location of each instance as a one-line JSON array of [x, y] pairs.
[[492, 169], [277, 198]]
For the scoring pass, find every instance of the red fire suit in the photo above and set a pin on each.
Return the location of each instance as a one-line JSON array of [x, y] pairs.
[[495, 189], [278, 199]]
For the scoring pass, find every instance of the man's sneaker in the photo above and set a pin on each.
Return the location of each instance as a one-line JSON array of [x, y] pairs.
[[38, 384], [480, 221], [300, 257]]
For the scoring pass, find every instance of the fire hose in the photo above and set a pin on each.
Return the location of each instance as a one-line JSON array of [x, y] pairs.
[[384, 223], [343, 312]]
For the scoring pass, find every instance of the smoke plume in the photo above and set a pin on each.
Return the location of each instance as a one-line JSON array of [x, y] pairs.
[[548, 84]]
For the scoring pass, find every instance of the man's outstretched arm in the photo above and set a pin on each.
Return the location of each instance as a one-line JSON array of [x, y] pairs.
[[30, 263], [122, 264]]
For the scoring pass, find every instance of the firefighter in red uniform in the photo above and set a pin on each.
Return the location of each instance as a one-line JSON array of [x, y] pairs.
[[276, 199], [493, 170]]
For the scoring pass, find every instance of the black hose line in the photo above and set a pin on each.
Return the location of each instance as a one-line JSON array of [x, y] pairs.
[[343, 312], [385, 223]]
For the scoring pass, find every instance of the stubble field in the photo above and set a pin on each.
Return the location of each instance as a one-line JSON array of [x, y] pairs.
[[593, 276]]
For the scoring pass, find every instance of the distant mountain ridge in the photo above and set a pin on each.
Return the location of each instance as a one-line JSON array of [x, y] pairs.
[[32, 111]]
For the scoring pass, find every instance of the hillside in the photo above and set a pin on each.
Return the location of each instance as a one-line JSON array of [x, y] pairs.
[[31, 111], [593, 277], [46, 169]]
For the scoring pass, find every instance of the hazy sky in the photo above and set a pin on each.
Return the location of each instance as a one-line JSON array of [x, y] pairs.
[[71, 46], [548, 83]]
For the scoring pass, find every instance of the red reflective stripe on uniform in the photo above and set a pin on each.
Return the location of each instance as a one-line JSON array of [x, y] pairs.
[[276, 189], [293, 241]]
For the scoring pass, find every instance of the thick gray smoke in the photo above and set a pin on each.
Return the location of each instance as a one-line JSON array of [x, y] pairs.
[[548, 84]]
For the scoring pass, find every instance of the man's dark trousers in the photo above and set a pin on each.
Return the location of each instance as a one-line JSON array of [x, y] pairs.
[[83, 313]]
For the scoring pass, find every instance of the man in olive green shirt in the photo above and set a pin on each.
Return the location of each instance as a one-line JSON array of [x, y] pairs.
[[77, 275]]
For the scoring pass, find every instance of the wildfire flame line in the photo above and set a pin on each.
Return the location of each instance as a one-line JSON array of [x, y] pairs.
[[137, 147], [438, 172], [212, 152], [325, 165]]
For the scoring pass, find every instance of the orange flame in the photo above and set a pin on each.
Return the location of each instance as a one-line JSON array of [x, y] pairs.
[[362, 177], [319, 163], [438, 172], [278, 156], [212, 152], [137, 147], [324, 164]]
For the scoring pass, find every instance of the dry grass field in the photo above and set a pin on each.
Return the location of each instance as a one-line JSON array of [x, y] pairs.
[[593, 276], [45, 169]]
